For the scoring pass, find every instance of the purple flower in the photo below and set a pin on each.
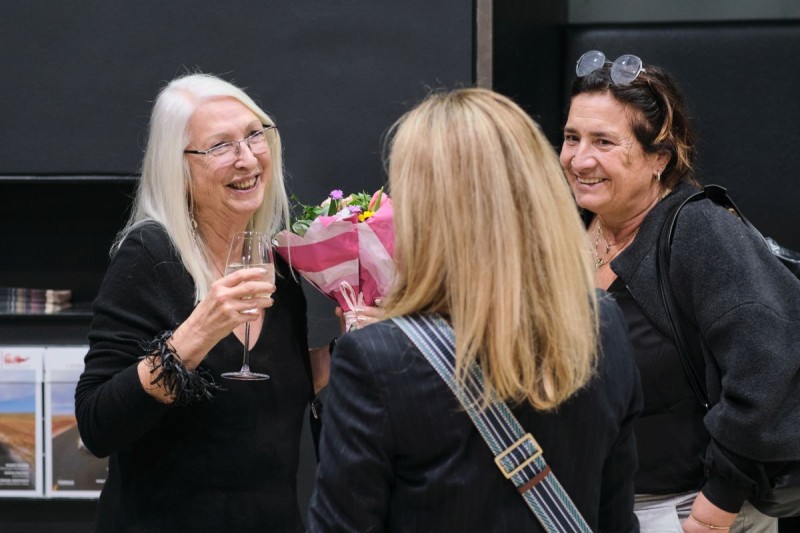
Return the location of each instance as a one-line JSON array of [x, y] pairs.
[[337, 194], [354, 208]]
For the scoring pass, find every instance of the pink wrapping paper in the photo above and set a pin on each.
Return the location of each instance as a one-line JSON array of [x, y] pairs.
[[338, 252]]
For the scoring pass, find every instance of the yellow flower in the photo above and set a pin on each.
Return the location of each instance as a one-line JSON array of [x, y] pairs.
[[365, 215]]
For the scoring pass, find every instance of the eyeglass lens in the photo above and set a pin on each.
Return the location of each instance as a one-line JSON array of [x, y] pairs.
[[256, 141], [624, 69], [589, 62]]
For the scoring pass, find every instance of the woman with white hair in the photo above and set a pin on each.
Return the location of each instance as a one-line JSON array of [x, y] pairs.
[[187, 451]]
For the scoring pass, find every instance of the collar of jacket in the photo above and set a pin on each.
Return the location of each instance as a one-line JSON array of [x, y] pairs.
[[636, 266]]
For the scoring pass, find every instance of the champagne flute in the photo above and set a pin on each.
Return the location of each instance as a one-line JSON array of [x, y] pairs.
[[249, 249]]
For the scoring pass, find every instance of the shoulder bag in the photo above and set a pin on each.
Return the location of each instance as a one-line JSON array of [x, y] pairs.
[[517, 454]]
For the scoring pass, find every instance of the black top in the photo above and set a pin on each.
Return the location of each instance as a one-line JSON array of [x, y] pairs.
[[398, 452], [666, 465], [228, 464]]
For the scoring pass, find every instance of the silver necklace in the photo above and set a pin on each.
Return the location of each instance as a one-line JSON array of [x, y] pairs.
[[599, 262]]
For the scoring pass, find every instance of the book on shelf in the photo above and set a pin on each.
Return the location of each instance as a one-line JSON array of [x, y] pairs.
[[23, 308], [43, 296], [22, 300]]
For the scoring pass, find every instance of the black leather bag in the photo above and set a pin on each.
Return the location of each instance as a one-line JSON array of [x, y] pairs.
[[783, 499]]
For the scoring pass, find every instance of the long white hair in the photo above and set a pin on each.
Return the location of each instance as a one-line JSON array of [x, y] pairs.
[[164, 194]]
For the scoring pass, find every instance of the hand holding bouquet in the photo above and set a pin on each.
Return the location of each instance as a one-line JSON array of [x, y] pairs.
[[344, 247]]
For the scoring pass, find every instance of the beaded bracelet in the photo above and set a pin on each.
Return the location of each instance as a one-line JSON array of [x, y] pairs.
[[184, 386], [709, 526]]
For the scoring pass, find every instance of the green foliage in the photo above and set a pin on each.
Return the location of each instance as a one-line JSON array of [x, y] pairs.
[[303, 215]]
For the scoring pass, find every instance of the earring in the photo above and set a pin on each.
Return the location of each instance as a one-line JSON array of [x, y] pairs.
[[658, 175]]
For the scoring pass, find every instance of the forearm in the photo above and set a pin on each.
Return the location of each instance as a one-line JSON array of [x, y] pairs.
[[147, 377], [705, 517], [320, 365], [184, 348]]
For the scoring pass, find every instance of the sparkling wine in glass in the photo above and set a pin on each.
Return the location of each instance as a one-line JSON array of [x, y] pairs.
[[249, 249]]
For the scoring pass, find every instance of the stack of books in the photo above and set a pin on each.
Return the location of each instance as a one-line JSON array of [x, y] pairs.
[[32, 301]]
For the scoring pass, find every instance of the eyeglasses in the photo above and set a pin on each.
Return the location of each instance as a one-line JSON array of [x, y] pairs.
[[256, 141], [624, 69]]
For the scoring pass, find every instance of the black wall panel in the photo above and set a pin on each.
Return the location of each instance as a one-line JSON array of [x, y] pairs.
[[527, 57], [78, 78]]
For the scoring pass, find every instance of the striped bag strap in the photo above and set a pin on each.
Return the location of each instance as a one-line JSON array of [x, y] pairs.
[[516, 452]]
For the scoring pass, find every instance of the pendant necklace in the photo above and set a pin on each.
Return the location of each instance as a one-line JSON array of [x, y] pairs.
[[601, 261]]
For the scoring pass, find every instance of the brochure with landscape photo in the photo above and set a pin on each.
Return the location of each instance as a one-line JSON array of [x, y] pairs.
[[20, 421], [71, 470]]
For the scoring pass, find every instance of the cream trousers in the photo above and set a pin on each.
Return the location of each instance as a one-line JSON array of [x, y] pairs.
[[665, 513]]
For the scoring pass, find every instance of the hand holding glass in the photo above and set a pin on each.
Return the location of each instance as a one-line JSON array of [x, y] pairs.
[[249, 249]]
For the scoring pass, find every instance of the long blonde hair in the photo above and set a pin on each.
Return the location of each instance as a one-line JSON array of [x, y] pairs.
[[165, 188], [488, 235]]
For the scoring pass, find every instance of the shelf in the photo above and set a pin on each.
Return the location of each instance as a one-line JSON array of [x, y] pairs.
[[58, 231], [22, 515], [78, 311], [61, 178]]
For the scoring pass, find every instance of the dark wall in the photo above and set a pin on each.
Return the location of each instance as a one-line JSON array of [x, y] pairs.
[[77, 81], [79, 77], [740, 81], [527, 57]]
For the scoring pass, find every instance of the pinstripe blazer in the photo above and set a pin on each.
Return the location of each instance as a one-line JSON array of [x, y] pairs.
[[399, 454]]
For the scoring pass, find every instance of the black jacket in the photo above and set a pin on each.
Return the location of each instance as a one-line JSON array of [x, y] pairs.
[[229, 464], [398, 453], [747, 306]]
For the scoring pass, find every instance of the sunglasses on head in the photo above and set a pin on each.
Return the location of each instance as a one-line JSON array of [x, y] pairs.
[[624, 69]]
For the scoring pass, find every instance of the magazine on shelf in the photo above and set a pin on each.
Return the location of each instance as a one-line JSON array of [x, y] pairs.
[[32, 308], [49, 296], [71, 471], [21, 472], [20, 300]]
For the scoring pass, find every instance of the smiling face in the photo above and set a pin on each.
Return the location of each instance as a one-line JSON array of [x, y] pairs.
[[226, 191], [608, 170]]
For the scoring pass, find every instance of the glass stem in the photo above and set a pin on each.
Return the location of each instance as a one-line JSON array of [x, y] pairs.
[[246, 360]]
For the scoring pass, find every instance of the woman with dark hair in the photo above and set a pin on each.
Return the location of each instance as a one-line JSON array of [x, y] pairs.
[[629, 153]]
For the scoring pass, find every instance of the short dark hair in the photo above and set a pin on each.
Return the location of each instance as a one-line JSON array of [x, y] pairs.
[[660, 122]]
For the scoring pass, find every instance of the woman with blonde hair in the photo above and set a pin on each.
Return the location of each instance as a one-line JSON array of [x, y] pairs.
[[487, 237]]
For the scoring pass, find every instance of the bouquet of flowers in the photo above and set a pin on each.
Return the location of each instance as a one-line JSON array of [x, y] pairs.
[[343, 247]]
